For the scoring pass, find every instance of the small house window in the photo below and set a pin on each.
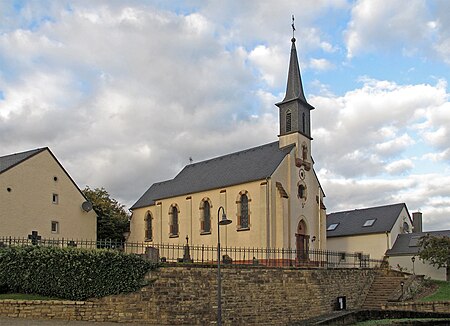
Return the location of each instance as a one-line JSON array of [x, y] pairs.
[[55, 227], [332, 227], [414, 241], [369, 222], [55, 198]]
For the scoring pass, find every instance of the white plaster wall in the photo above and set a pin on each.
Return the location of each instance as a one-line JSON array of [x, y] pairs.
[[420, 267], [373, 244]]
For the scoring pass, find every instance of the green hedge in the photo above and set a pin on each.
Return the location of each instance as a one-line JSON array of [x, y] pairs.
[[70, 273]]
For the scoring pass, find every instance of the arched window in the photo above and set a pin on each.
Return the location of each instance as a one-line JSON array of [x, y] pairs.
[[288, 121], [244, 214], [148, 227], [205, 219], [173, 221], [303, 122]]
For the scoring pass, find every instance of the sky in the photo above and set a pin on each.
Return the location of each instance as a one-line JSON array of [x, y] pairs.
[[125, 92]]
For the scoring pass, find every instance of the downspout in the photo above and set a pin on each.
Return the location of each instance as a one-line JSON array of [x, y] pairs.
[[161, 222], [267, 213], [387, 240], [320, 224]]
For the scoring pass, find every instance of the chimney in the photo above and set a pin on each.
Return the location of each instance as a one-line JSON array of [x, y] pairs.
[[417, 222]]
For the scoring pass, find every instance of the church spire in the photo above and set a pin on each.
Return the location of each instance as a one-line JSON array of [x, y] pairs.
[[294, 89], [294, 109]]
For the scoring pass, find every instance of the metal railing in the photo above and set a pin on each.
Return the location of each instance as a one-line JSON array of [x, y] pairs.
[[202, 254]]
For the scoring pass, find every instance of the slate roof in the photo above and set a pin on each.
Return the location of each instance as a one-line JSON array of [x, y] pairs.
[[249, 165], [351, 222], [9, 161], [406, 244]]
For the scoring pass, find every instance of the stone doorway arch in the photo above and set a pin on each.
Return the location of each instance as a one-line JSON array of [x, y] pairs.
[[302, 241]]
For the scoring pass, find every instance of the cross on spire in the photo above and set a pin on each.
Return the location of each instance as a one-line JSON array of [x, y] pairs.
[[293, 28]]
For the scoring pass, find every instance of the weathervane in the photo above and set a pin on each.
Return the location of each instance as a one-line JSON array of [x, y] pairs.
[[293, 29]]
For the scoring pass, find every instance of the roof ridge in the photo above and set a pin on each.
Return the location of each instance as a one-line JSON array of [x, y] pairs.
[[366, 208], [24, 152], [232, 154]]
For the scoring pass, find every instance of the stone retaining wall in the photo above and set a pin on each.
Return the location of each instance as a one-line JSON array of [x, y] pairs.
[[188, 295], [435, 306]]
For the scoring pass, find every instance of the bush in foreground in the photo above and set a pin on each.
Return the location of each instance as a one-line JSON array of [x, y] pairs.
[[70, 273]]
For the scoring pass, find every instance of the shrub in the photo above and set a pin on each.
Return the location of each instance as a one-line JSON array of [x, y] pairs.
[[70, 273]]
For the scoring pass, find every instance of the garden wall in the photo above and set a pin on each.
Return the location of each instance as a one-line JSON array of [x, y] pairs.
[[435, 306], [188, 295]]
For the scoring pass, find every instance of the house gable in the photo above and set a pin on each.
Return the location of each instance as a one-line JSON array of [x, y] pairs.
[[39, 195], [371, 220]]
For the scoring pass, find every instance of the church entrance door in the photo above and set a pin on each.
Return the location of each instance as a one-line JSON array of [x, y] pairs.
[[302, 242]]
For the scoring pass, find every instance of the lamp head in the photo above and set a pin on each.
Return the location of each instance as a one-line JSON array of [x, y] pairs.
[[224, 220]]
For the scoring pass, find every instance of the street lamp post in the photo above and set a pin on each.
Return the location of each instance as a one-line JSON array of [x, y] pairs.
[[413, 259], [223, 221]]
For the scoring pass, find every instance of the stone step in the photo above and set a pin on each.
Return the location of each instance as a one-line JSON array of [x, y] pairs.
[[381, 290]]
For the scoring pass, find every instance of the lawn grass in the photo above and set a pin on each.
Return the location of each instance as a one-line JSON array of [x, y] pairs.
[[397, 321], [442, 294], [21, 296]]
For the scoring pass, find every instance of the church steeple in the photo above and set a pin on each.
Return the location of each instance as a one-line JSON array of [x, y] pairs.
[[294, 109], [294, 88]]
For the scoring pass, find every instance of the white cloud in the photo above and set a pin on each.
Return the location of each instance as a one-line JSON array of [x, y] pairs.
[[381, 24], [394, 146], [320, 64], [371, 125], [125, 92], [399, 167], [271, 63]]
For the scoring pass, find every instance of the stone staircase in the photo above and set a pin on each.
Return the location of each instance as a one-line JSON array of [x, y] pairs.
[[381, 290]]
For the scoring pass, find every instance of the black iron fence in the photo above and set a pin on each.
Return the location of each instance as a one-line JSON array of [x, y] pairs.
[[202, 254]]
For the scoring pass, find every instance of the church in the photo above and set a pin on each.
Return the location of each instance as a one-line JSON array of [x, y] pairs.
[[270, 193]]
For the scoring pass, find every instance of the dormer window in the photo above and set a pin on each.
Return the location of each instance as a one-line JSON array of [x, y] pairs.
[[369, 222], [332, 227]]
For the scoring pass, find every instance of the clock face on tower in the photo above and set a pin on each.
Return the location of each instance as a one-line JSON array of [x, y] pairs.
[[302, 173]]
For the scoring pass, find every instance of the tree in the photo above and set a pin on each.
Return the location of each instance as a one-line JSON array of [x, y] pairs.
[[112, 218], [436, 250]]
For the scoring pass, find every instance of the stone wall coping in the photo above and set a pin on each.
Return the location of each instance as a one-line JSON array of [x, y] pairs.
[[46, 302], [260, 267], [424, 303]]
